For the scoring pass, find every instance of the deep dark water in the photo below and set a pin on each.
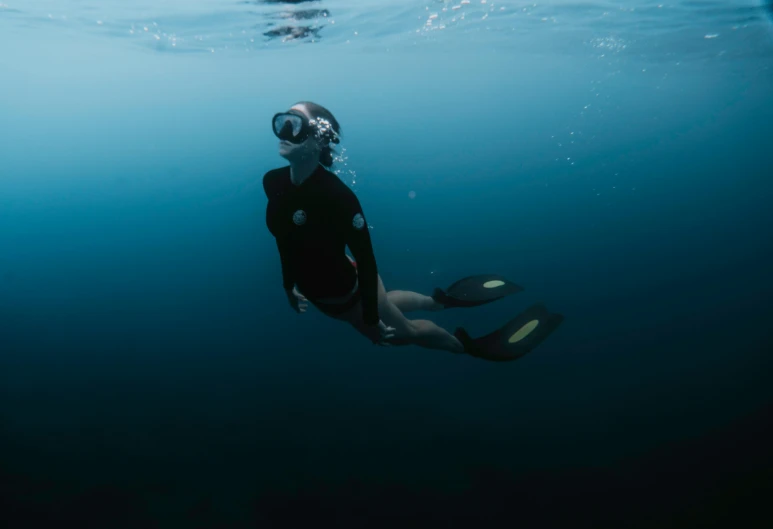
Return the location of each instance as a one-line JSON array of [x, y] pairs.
[[722, 479], [689, 484], [196, 445]]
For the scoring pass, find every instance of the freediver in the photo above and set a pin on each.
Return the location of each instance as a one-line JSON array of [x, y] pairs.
[[314, 217]]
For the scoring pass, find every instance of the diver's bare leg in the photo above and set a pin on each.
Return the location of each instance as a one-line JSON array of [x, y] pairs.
[[423, 333], [408, 301]]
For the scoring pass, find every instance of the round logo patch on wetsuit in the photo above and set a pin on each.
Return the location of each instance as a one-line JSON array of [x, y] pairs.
[[358, 222], [299, 217]]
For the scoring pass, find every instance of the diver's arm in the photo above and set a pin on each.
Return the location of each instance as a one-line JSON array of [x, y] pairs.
[[288, 279], [270, 183], [358, 241]]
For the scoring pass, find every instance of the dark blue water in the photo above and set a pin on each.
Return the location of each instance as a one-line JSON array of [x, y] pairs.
[[152, 374]]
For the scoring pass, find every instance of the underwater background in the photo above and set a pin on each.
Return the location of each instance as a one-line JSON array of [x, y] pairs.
[[613, 158]]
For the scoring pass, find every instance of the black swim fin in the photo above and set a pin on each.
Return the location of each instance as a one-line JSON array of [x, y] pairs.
[[516, 338], [475, 290]]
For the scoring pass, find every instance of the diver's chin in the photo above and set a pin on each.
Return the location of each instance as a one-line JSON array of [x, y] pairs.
[[290, 155], [285, 149]]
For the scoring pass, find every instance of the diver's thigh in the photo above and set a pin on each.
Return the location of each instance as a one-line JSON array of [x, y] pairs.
[[391, 315], [387, 311]]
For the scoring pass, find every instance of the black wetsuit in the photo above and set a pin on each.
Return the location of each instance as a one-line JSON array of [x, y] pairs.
[[312, 224]]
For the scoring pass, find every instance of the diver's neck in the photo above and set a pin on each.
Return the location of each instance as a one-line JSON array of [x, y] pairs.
[[301, 170]]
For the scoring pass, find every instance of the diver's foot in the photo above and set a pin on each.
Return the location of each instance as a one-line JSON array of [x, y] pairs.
[[438, 301]]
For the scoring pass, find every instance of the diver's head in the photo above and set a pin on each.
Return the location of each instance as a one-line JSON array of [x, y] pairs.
[[307, 131]]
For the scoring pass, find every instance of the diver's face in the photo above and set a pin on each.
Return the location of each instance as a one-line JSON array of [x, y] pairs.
[[309, 148]]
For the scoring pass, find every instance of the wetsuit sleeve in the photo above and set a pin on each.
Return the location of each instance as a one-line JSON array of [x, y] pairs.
[[269, 186], [358, 241]]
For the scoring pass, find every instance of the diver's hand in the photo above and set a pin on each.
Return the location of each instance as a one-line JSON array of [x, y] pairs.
[[297, 301], [380, 334]]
